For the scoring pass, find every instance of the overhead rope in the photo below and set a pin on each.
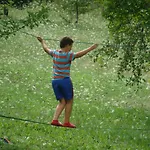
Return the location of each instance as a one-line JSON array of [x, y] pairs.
[[54, 39]]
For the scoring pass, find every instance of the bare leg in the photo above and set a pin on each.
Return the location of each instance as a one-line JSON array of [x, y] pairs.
[[68, 110], [59, 109]]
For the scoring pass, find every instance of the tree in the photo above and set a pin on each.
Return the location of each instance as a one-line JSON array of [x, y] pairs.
[[45, 1], [5, 4], [129, 26], [10, 26], [74, 8], [21, 3]]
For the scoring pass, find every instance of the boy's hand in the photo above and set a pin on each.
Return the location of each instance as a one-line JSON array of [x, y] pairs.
[[46, 49], [94, 46], [40, 39]]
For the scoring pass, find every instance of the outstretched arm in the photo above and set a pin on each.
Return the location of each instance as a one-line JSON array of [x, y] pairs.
[[84, 52], [46, 49]]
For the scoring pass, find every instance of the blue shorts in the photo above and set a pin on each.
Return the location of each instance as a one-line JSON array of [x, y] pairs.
[[63, 88]]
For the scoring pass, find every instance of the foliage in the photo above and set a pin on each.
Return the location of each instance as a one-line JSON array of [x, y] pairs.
[[5, 1], [16, 3], [10, 26], [5, 5], [129, 26], [21, 3]]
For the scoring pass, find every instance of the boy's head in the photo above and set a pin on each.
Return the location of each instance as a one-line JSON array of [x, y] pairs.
[[66, 42]]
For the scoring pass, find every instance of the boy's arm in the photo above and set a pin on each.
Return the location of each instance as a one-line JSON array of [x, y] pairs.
[[84, 52], [46, 49]]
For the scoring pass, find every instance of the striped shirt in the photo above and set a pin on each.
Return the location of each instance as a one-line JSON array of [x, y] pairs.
[[61, 63]]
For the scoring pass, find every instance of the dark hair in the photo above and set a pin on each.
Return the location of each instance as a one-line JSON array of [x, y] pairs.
[[65, 41]]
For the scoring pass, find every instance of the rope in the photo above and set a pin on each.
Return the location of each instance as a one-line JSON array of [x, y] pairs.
[[37, 122], [24, 120], [55, 39]]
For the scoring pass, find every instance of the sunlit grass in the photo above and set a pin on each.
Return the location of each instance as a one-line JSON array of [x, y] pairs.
[[108, 114]]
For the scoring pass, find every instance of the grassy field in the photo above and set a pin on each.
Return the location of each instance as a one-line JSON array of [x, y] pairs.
[[108, 115]]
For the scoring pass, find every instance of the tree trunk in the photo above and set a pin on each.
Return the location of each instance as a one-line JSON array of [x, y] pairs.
[[5, 11], [77, 12]]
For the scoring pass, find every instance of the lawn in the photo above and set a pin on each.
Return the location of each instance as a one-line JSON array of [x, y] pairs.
[[108, 115]]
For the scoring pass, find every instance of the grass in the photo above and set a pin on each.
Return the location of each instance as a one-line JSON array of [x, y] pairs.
[[108, 114]]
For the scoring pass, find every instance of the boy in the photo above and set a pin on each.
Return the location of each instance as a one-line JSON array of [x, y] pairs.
[[61, 82]]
